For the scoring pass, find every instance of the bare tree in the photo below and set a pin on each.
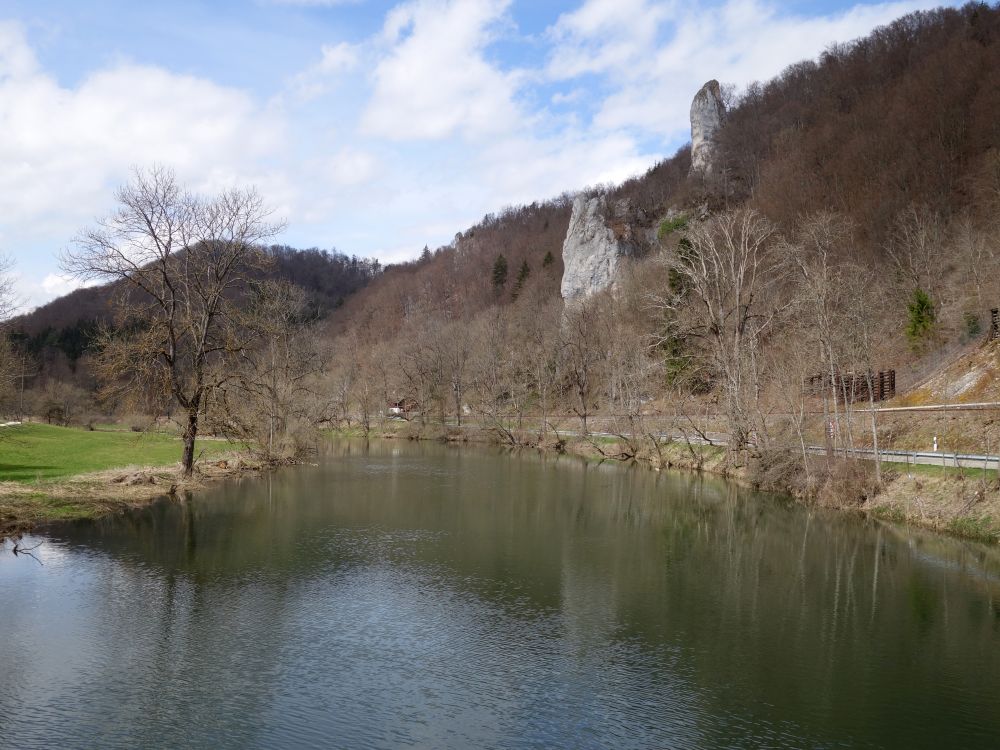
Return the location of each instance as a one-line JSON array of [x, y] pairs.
[[451, 349], [377, 372], [796, 350], [8, 296], [976, 251], [180, 261], [369, 389], [493, 372], [915, 246], [628, 371], [538, 325], [817, 255], [8, 304], [865, 339], [732, 275], [272, 400], [583, 350], [421, 370], [342, 380]]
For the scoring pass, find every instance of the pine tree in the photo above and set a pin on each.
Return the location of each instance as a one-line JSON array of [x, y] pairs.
[[500, 271], [548, 260], [522, 276], [921, 317]]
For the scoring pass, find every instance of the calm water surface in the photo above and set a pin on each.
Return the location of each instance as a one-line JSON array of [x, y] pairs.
[[415, 595]]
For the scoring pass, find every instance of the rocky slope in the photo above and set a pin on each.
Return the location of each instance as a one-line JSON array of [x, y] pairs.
[[602, 230]]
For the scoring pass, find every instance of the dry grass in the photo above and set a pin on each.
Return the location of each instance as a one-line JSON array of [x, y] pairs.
[[971, 378], [968, 507], [24, 505]]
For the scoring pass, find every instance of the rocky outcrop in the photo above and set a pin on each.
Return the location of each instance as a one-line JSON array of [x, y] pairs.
[[707, 113], [593, 248], [601, 233]]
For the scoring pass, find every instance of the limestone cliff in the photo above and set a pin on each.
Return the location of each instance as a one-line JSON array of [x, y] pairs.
[[592, 249], [707, 112], [602, 232]]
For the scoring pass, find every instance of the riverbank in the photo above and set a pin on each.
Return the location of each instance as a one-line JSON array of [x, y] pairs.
[[960, 502], [50, 473], [964, 503]]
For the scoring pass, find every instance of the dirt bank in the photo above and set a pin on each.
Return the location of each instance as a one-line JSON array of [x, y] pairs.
[[26, 505]]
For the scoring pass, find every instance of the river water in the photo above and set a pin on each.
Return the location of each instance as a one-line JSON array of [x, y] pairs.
[[418, 595]]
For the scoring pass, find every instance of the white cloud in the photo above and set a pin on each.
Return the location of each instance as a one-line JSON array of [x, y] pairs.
[[434, 81], [335, 60], [57, 284], [16, 57], [653, 56], [605, 35], [63, 148]]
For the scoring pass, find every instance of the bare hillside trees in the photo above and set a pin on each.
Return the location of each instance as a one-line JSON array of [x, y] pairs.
[[817, 255], [583, 343], [272, 401], [180, 262], [732, 276]]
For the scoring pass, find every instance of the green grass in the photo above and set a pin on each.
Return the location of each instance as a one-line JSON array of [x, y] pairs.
[[170, 429], [980, 529], [41, 451], [111, 427], [933, 470], [668, 226], [602, 439], [889, 513]]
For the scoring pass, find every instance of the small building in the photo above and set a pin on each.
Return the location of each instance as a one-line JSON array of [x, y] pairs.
[[403, 407]]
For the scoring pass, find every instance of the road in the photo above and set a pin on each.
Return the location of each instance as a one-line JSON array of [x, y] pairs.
[[925, 458]]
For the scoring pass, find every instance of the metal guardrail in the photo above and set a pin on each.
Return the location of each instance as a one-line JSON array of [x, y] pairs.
[[922, 458], [981, 406], [932, 458]]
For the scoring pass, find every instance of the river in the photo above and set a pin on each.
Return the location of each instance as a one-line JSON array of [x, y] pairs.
[[418, 595]]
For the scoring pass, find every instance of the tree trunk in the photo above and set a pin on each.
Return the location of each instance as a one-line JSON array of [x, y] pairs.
[[545, 413], [873, 413], [190, 433]]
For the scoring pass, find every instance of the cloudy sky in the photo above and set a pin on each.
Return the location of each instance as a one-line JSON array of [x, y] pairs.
[[374, 127]]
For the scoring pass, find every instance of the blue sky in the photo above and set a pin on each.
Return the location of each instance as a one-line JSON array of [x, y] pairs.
[[372, 126]]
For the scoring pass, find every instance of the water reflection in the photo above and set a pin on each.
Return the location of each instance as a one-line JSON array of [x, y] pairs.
[[407, 593]]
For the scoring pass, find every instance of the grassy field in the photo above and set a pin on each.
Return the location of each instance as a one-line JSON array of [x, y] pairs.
[[34, 452], [932, 470]]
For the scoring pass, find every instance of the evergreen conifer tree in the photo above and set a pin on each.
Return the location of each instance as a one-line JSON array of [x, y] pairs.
[[500, 272]]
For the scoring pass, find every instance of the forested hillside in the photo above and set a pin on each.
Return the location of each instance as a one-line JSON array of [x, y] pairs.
[[905, 119], [56, 335], [850, 224]]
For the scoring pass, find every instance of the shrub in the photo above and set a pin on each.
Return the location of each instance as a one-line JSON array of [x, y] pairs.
[[138, 422], [848, 484], [973, 327], [921, 317], [669, 226]]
